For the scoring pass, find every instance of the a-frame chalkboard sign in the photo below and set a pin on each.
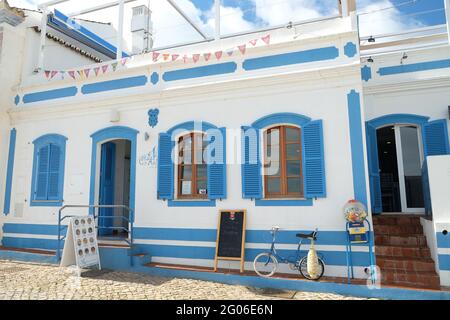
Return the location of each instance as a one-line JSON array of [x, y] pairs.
[[231, 237]]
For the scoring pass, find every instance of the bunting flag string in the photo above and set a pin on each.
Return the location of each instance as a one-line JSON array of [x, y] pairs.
[[113, 66]]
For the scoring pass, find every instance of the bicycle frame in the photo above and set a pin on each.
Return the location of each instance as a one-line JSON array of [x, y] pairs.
[[273, 250]]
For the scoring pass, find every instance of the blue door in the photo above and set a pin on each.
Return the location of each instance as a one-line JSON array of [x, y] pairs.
[[107, 172]]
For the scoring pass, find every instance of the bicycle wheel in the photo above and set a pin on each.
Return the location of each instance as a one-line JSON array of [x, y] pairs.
[[304, 268], [265, 265]]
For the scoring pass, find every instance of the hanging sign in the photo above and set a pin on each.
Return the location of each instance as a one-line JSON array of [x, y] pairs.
[[81, 246], [231, 237]]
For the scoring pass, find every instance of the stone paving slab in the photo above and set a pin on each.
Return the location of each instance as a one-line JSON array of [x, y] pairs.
[[25, 281]]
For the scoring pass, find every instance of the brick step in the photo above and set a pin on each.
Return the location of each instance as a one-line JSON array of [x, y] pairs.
[[401, 240], [423, 279], [396, 220], [398, 230], [406, 264], [407, 252]]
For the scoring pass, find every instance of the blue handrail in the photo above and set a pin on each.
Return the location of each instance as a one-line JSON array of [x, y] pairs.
[[130, 221]]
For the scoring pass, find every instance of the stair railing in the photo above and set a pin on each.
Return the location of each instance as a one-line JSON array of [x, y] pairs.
[[129, 220]]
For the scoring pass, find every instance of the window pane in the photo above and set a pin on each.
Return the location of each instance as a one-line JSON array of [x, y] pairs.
[[273, 185], [202, 171], [293, 168], [186, 173], [294, 185], [292, 135], [202, 187], [273, 136], [186, 188], [293, 151]]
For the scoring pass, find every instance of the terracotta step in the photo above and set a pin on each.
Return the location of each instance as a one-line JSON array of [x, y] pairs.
[[406, 264], [407, 252], [401, 240], [410, 279], [397, 220], [398, 230]]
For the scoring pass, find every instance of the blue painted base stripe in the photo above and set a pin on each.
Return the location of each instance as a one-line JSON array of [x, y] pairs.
[[415, 67], [314, 55], [200, 72], [27, 257], [444, 262], [50, 95], [29, 243], [39, 229], [114, 85]]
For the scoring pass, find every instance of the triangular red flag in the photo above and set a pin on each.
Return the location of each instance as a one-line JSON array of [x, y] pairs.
[[54, 73], [254, 42], [105, 68], [156, 56], [175, 57], [86, 72], [185, 58], [195, 57], [166, 56], [266, 39], [218, 55], [230, 52], [47, 74], [96, 71], [72, 74], [207, 56], [242, 48]]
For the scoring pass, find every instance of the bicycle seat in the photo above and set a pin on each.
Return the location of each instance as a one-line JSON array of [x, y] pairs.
[[312, 235]]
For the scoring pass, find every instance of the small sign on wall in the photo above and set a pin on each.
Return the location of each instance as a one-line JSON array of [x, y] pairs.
[[81, 246]]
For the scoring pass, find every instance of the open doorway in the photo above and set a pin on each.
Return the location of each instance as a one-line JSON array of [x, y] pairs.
[[400, 156], [114, 188]]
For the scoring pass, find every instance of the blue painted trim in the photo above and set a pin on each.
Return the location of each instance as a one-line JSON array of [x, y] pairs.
[[188, 204], [284, 203], [280, 118], [444, 262], [415, 67], [154, 78], [366, 73], [442, 241], [39, 229], [76, 29], [391, 119], [9, 171], [191, 126], [321, 54], [111, 85], [200, 72], [40, 142], [27, 257], [16, 100], [108, 134], [30, 243], [350, 49], [50, 95], [357, 146]]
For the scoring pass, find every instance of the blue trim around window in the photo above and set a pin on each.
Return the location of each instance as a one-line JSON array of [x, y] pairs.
[[105, 135], [191, 126], [187, 204], [9, 171], [284, 203], [398, 119], [281, 118], [48, 139]]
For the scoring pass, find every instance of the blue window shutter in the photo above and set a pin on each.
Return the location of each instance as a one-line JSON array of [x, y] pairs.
[[165, 167], [217, 171], [251, 164], [313, 160], [42, 173], [54, 174], [374, 169], [436, 138]]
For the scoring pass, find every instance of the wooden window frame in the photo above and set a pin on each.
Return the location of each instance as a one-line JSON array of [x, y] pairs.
[[194, 168], [283, 194]]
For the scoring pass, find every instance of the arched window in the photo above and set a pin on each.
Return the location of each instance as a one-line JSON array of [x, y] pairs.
[[283, 177], [48, 170], [192, 167]]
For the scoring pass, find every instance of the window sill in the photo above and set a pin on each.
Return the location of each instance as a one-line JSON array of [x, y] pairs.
[[191, 203], [46, 204], [284, 203]]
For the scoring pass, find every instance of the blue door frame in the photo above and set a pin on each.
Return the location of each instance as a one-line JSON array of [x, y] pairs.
[[107, 186]]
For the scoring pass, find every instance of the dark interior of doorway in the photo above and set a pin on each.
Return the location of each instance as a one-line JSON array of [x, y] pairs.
[[389, 177]]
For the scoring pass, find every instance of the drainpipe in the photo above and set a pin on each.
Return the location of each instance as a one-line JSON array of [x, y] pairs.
[[40, 66], [447, 15]]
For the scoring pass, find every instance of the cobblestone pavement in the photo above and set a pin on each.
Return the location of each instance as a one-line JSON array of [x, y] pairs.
[[24, 281]]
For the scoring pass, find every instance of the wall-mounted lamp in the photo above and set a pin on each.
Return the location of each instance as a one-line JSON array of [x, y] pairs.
[[370, 60], [147, 136], [371, 39]]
